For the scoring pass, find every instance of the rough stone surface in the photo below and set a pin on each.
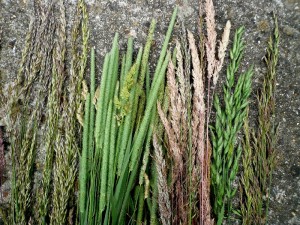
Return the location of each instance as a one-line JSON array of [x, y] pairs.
[[132, 17]]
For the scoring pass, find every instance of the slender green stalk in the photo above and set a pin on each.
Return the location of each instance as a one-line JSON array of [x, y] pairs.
[[121, 133], [84, 160], [113, 138], [136, 153], [105, 162], [128, 62], [109, 87], [165, 46], [130, 116], [92, 106], [100, 102]]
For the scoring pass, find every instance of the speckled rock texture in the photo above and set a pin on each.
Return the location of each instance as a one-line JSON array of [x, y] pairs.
[[132, 17]]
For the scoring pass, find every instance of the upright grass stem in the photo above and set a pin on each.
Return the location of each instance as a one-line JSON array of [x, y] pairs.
[[123, 117], [259, 145], [84, 160], [225, 158]]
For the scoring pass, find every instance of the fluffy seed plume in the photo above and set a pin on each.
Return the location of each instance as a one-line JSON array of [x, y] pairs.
[[211, 37], [174, 148], [163, 193], [175, 100], [221, 52]]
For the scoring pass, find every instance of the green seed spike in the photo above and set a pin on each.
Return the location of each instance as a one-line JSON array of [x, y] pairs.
[[141, 202], [146, 120], [129, 55], [92, 108], [100, 102], [115, 75], [147, 151], [229, 120], [144, 67], [108, 94], [146, 53], [129, 117], [113, 137], [83, 159], [122, 74], [105, 161]]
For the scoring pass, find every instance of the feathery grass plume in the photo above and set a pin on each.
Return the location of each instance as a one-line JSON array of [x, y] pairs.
[[210, 67], [251, 197], [66, 144], [211, 40], [53, 113], [192, 170], [198, 124], [229, 119], [24, 111], [221, 52], [163, 190], [214, 64], [24, 150], [172, 127], [181, 150], [259, 145]]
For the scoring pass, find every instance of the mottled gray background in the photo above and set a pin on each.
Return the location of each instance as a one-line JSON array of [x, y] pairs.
[[129, 17]]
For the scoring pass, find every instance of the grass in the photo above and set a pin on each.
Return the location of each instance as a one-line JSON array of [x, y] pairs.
[[187, 146], [120, 133], [26, 120], [229, 120], [65, 165], [259, 145], [146, 155], [24, 116]]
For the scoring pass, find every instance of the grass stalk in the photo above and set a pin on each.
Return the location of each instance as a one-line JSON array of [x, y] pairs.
[[259, 145], [83, 171], [225, 157]]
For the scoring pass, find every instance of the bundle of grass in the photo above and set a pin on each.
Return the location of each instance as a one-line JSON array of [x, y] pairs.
[[259, 146], [117, 136], [188, 151], [43, 66], [53, 113], [25, 112], [229, 120], [66, 145]]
